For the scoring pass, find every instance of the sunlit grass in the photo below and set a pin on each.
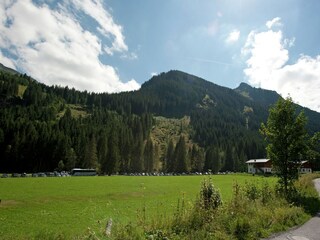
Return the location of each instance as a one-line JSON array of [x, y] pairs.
[[70, 205]]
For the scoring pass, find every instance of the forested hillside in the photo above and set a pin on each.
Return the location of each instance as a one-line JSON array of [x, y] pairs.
[[43, 128]]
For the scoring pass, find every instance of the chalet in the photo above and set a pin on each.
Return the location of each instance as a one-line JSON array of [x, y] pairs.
[[265, 166], [259, 166], [305, 167]]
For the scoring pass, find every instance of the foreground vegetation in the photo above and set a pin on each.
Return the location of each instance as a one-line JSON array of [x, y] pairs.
[[254, 211]]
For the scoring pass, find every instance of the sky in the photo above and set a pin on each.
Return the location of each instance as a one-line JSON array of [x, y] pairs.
[[117, 45]]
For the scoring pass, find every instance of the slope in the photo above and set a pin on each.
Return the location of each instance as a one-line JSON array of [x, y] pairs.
[[88, 129], [266, 98]]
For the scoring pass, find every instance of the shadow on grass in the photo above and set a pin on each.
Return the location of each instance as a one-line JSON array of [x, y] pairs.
[[310, 204]]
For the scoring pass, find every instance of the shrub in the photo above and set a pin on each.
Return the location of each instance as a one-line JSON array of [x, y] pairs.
[[305, 195], [252, 191], [210, 197]]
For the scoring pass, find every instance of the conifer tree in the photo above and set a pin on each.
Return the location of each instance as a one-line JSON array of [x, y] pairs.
[[70, 159], [149, 156], [169, 160], [137, 164], [197, 159], [181, 165], [91, 155], [113, 156], [213, 160], [103, 151]]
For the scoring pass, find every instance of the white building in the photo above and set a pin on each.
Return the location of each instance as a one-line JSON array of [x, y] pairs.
[[259, 166]]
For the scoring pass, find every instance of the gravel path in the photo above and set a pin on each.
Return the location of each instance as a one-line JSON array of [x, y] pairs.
[[309, 231]]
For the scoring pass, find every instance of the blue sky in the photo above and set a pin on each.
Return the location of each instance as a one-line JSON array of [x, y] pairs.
[[116, 45]]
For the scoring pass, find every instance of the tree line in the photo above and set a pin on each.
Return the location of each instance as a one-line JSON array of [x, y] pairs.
[[41, 128]]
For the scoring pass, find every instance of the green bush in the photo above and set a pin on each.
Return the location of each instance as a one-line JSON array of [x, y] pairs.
[[210, 197], [305, 195]]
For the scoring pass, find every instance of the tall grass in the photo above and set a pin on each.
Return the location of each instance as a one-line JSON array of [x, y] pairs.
[[255, 211]]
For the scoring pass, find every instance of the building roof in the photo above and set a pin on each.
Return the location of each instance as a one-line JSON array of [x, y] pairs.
[[258, 161], [267, 160]]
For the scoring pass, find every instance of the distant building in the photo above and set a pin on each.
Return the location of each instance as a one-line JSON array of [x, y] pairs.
[[265, 166], [259, 166], [83, 172], [305, 167]]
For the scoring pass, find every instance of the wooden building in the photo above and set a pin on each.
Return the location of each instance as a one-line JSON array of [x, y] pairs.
[[259, 166], [265, 166]]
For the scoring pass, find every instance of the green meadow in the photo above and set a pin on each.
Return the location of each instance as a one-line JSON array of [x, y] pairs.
[[72, 206]]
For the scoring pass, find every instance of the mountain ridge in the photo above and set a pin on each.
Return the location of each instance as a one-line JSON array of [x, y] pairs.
[[223, 125]]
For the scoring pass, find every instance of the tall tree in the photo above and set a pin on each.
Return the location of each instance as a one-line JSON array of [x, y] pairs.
[[213, 160], [169, 160], [91, 155], [70, 159], [287, 138], [103, 151], [181, 165], [137, 164], [196, 159], [229, 161], [149, 156], [113, 156]]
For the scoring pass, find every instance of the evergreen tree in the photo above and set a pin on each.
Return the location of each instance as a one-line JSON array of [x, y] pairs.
[[181, 165], [213, 161], [137, 164], [169, 160], [103, 151], [113, 156], [126, 151], [229, 161], [91, 155], [197, 159], [70, 159], [61, 166], [149, 156], [156, 162]]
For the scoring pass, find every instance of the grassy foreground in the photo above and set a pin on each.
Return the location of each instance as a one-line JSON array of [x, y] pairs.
[[33, 208], [255, 211]]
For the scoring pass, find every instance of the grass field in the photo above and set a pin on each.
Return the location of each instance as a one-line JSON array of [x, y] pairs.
[[32, 206]]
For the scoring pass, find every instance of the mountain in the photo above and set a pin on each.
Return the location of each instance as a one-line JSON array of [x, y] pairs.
[[266, 98], [258, 95], [175, 122], [7, 70]]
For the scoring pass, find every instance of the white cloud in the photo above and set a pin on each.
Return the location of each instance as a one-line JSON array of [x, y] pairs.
[[302, 81], [153, 74], [274, 22], [267, 54], [267, 67], [52, 46], [106, 27], [129, 56], [6, 61], [233, 36]]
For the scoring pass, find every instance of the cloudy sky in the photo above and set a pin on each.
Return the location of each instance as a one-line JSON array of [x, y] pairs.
[[116, 45]]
